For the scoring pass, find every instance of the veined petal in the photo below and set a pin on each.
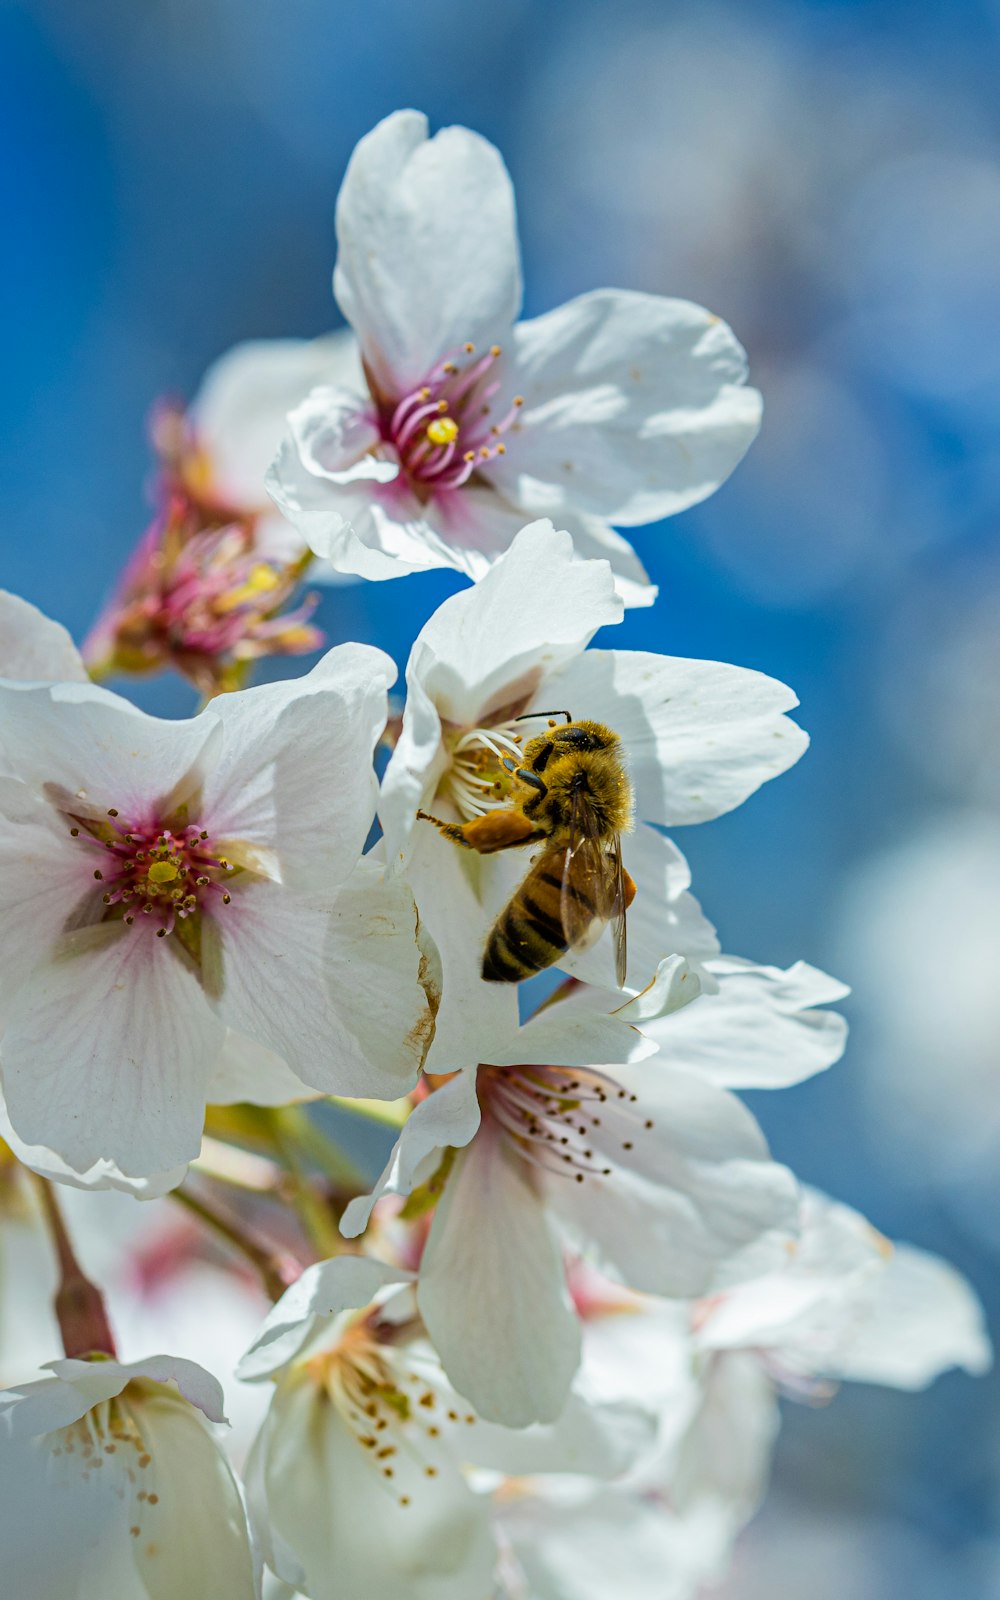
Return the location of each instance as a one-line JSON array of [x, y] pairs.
[[298, 977], [492, 1290], [701, 735], [44, 877], [33, 648], [415, 767], [193, 1535], [349, 1529], [427, 254], [245, 1070], [495, 643], [444, 884], [447, 1118], [89, 744], [107, 1053], [635, 407], [102, 1175], [761, 1030], [312, 815], [77, 1386], [324, 1290], [692, 1201]]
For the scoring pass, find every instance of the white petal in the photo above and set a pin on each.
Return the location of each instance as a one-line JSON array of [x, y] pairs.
[[594, 1439], [472, 1014], [575, 1032], [492, 644], [635, 407], [63, 1530], [591, 1547], [305, 982], [33, 647], [312, 815], [334, 432], [239, 411], [245, 1070], [97, 748], [594, 540], [102, 1175], [760, 1030], [324, 1290], [427, 254], [364, 521], [492, 1290], [328, 1504], [45, 876], [107, 1053], [700, 735], [923, 1317], [29, 1409], [193, 1538], [724, 1460], [663, 919], [803, 1307], [447, 1118], [695, 1203], [380, 974]]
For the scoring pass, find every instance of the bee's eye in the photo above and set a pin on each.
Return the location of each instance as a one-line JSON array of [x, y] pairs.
[[579, 738]]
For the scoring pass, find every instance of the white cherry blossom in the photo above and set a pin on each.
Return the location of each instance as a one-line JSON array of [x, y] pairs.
[[662, 1174], [845, 1305], [698, 737], [163, 881], [618, 407], [236, 421], [112, 1483], [358, 1471]]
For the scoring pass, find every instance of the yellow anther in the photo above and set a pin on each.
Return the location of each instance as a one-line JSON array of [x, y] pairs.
[[494, 350], [262, 579], [469, 349], [442, 430], [163, 872]]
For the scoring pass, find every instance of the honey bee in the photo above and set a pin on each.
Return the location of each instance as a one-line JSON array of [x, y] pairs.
[[574, 796]]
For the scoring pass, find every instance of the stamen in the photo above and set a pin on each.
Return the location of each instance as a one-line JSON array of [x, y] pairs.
[[443, 431], [166, 871]]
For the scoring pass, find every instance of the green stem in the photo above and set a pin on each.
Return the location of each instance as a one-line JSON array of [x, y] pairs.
[[275, 1271]]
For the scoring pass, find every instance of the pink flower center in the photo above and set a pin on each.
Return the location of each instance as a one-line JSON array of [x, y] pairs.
[[449, 427], [556, 1116], [150, 871]]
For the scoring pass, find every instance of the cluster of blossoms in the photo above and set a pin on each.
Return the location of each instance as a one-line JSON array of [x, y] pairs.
[[539, 1358]]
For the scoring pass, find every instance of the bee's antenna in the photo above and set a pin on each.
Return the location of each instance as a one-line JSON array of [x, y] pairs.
[[530, 715]]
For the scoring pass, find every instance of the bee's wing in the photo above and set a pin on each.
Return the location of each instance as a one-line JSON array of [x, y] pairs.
[[592, 885], [619, 932]]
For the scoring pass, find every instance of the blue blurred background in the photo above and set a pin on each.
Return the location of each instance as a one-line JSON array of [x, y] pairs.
[[823, 175]]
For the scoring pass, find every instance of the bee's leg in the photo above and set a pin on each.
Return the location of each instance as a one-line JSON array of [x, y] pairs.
[[628, 886], [527, 775], [497, 830]]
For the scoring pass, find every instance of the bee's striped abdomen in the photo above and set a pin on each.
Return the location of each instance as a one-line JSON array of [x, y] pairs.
[[528, 935]]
